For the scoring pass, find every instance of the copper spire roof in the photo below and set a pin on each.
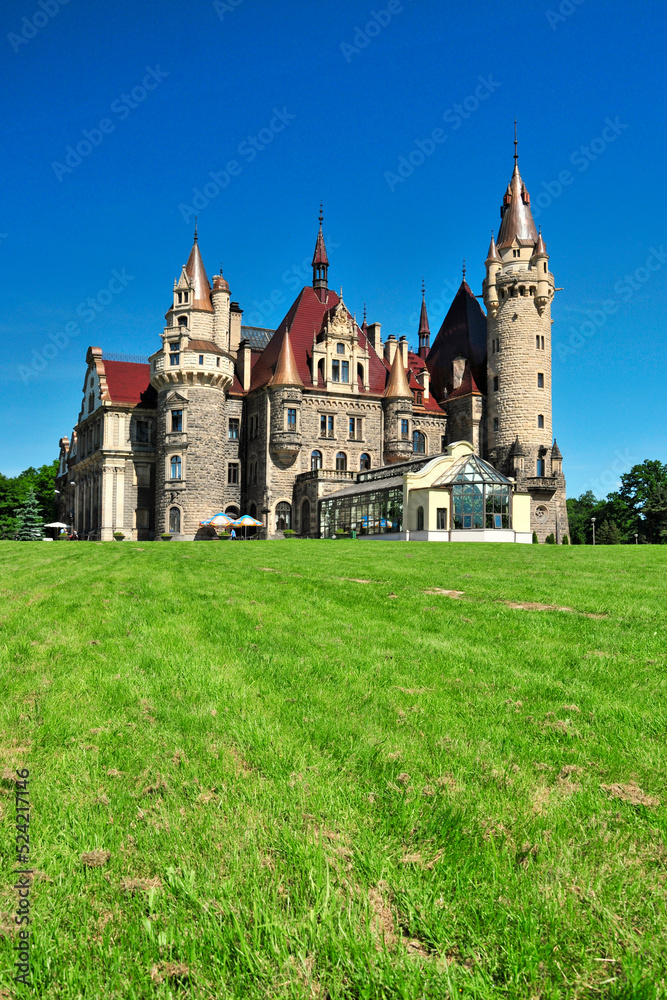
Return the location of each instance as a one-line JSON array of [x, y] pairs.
[[200, 284], [540, 248], [286, 372], [493, 252], [397, 386], [320, 255], [517, 218]]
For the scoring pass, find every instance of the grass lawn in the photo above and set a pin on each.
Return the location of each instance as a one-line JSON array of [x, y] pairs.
[[292, 770]]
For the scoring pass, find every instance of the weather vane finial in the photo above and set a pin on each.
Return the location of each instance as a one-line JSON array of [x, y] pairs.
[[195, 228], [516, 144], [321, 215], [464, 269], [423, 287]]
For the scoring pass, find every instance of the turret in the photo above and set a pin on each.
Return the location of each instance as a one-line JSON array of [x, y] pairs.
[[320, 264], [494, 266], [286, 395], [556, 460], [398, 408], [220, 301], [538, 262], [424, 332]]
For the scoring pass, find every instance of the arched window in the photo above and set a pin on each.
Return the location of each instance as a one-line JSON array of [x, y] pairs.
[[418, 442], [174, 520], [253, 510], [315, 460], [365, 462], [232, 511], [341, 462], [420, 518], [283, 516], [540, 420], [305, 517], [175, 466]]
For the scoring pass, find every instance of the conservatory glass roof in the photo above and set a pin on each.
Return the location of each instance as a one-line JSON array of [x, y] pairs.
[[471, 469]]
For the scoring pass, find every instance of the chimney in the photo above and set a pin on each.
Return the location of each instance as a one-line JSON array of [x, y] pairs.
[[234, 327], [243, 364], [390, 349], [403, 344], [374, 337], [425, 379]]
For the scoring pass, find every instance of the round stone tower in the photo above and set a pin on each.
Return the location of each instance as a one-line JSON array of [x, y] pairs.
[[192, 373]]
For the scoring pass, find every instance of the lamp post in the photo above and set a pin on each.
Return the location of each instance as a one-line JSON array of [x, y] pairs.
[[593, 523], [636, 538]]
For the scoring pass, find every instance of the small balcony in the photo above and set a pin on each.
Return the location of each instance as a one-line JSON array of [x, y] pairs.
[[304, 477], [285, 444], [546, 486]]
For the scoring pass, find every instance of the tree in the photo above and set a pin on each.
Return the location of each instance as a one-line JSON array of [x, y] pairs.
[[29, 519], [608, 534], [14, 490], [550, 539], [535, 538], [654, 515]]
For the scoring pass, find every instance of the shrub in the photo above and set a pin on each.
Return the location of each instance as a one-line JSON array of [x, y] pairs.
[[550, 539], [288, 533], [535, 538], [566, 540]]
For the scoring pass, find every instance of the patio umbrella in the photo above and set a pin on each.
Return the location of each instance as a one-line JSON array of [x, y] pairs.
[[245, 522], [219, 520], [57, 524]]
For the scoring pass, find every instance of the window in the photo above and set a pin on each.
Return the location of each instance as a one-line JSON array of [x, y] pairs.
[[355, 429], [418, 398], [143, 475], [522, 289], [495, 423], [182, 320], [345, 371], [174, 520], [283, 516], [201, 359], [496, 382], [233, 474], [540, 466], [253, 510], [364, 462], [443, 443], [532, 291], [341, 462], [175, 466], [420, 518], [340, 348], [217, 362], [233, 429], [405, 430], [180, 297], [330, 427], [142, 431], [335, 371], [540, 380], [186, 295], [516, 253], [91, 403], [174, 356], [305, 517], [177, 420], [418, 442], [291, 418], [315, 460], [441, 515], [540, 420]]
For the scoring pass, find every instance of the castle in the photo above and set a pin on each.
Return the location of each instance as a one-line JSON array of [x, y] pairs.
[[225, 417]]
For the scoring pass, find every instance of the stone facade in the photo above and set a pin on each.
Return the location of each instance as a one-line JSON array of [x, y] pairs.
[[217, 423]]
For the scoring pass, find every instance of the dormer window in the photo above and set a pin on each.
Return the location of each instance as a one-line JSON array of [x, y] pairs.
[[186, 296], [418, 398], [180, 298], [516, 253], [340, 348]]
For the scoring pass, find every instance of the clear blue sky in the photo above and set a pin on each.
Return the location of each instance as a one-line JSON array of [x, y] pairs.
[[182, 90]]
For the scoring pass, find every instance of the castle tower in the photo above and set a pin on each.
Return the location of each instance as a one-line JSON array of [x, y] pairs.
[[398, 409], [320, 264], [424, 332], [286, 397], [191, 374], [518, 291]]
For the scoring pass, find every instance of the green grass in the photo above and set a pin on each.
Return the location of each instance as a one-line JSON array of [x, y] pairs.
[[327, 791]]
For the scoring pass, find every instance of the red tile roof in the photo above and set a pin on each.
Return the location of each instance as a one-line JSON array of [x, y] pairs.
[[128, 382], [305, 317]]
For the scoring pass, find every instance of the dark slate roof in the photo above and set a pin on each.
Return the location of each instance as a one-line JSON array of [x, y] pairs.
[[257, 336], [462, 334]]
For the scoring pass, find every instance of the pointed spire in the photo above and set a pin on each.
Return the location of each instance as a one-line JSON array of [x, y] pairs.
[[286, 372], [320, 263], [555, 451], [518, 222], [516, 450], [195, 270], [540, 249], [493, 254], [397, 386], [424, 332]]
